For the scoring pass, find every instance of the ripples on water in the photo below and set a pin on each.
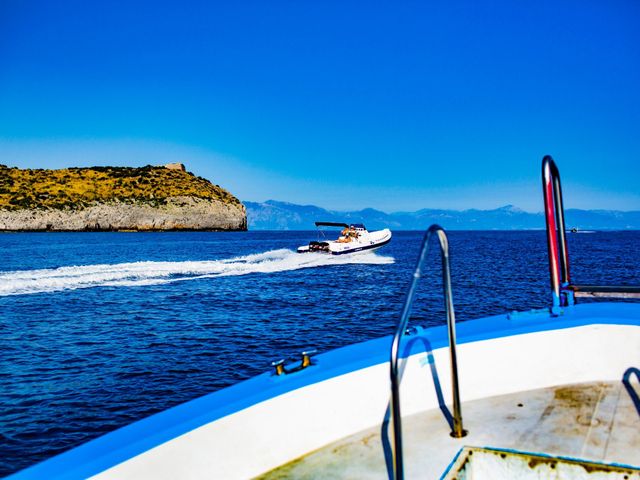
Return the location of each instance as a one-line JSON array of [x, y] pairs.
[[101, 329]]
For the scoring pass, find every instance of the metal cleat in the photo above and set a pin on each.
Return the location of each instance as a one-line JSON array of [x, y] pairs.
[[279, 366], [306, 357]]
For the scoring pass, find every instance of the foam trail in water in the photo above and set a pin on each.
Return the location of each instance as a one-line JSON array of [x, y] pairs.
[[24, 282]]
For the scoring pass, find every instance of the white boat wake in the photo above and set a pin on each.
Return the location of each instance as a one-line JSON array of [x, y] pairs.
[[24, 282]]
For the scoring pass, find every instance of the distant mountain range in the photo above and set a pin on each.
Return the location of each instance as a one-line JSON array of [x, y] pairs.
[[274, 215]]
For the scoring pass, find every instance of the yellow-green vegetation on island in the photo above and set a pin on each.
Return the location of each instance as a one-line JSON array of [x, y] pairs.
[[80, 187], [115, 198]]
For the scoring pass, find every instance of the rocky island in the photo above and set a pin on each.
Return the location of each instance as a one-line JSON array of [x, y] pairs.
[[115, 199]]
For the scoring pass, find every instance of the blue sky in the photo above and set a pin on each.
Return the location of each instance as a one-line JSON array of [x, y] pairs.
[[391, 105]]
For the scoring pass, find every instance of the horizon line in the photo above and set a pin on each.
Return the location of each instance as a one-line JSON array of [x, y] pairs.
[[503, 207]]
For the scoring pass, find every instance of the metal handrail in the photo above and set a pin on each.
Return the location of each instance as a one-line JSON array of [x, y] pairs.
[[563, 291], [556, 235], [457, 431]]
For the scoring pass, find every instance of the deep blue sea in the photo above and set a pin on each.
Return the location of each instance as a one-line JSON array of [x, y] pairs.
[[101, 329]]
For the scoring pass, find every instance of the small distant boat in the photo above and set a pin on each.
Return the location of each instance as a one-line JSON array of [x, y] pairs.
[[353, 238], [576, 230]]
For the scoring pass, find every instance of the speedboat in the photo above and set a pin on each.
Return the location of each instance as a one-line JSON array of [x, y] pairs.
[[576, 230], [353, 238], [549, 393]]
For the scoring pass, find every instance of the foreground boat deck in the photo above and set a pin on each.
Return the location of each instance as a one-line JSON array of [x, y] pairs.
[[592, 421]]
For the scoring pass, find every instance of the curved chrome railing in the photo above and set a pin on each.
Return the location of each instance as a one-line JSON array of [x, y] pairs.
[[457, 430], [556, 231], [563, 291]]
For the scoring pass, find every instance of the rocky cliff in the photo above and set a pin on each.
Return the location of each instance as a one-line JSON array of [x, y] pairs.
[[115, 198]]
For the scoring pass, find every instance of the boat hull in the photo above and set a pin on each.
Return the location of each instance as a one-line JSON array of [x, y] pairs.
[[317, 405]]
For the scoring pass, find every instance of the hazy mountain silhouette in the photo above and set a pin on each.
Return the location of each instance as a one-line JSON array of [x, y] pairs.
[[275, 215]]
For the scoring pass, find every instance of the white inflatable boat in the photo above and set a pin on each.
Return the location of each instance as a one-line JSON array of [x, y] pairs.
[[353, 238]]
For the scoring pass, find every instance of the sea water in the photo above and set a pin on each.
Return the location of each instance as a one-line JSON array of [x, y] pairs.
[[101, 329]]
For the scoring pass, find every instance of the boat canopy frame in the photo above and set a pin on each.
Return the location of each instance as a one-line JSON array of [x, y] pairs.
[[332, 224]]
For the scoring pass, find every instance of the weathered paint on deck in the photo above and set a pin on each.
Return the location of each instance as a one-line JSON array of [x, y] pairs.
[[596, 421]]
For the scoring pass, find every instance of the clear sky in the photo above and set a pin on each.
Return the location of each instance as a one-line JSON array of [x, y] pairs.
[[391, 105]]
